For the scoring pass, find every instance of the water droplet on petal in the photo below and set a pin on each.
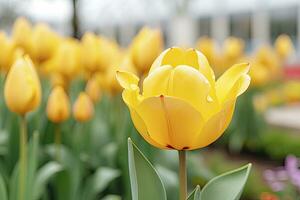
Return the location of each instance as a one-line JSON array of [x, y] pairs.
[[209, 99]]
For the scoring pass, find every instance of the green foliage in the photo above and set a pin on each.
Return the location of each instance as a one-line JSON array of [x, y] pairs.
[[145, 181], [228, 186]]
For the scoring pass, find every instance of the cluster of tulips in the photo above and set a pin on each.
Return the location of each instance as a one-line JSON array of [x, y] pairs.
[[174, 98], [266, 61]]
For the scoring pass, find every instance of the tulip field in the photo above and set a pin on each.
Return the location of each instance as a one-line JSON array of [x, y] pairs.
[[86, 118]]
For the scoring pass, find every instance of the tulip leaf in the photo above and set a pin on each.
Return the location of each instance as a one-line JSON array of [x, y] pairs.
[[3, 191], [228, 186], [43, 176], [99, 181], [145, 181], [195, 195]]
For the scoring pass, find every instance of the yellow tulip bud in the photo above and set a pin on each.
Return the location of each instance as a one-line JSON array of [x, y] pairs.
[[284, 46], [21, 33], [146, 46], [91, 52], [123, 64], [44, 42], [83, 108], [93, 89], [208, 47], [182, 106], [58, 106], [22, 90], [7, 52], [109, 53], [233, 48], [67, 59]]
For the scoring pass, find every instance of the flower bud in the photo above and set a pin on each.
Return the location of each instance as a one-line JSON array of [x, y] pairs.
[[58, 106], [83, 108], [22, 89]]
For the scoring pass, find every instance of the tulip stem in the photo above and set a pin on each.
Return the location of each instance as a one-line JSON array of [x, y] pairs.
[[23, 157], [57, 141], [182, 175]]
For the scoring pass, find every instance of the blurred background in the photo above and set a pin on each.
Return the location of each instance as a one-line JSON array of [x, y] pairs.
[[266, 125]]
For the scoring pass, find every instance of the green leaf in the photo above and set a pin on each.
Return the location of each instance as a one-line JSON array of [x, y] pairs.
[[145, 181], [43, 176], [111, 197], [195, 195], [3, 191], [228, 186], [99, 181]]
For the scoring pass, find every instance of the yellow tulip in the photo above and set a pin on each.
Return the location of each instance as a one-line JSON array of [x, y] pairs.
[[260, 74], [123, 64], [233, 48], [146, 46], [267, 57], [90, 52], [58, 106], [7, 52], [83, 108], [181, 106], [93, 89], [109, 53], [208, 47], [44, 42], [284, 46], [21, 33], [22, 90], [67, 59]]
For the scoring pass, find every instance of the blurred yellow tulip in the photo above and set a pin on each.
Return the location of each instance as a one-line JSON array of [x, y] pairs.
[[44, 42], [93, 89], [109, 53], [83, 108], [284, 46], [58, 105], [90, 52], [208, 47], [22, 90], [260, 74], [7, 52], [145, 47], [267, 57], [21, 33], [233, 48], [123, 64], [181, 105], [67, 59]]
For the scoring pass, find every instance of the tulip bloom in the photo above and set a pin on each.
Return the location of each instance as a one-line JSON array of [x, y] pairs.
[[284, 46], [93, 89], [58, 106], [21, 33], [22, 90], [44, 42], [181, 106], [146, 46], [83, 108]]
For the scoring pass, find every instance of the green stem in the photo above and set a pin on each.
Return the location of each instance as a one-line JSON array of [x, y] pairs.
[[182, 175], [57, 141], [23, 157]]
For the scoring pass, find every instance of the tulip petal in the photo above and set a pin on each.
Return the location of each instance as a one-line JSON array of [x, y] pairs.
[[139, 124], [215, 126], [177, 56], [170, 121], [157, 82], [227, 81], [126, 79], [189, 84]]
